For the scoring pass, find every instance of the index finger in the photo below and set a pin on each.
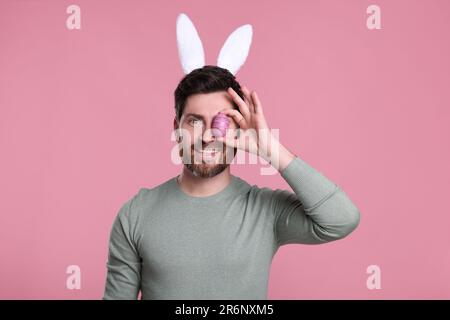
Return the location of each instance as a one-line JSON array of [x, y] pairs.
[[245, 111]]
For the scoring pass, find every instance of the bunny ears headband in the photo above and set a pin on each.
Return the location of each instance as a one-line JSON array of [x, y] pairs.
[[190, 49]]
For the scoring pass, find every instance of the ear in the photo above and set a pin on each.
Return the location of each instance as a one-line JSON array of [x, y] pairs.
[[176, 126], [235, 49], [177, 129], [190, 48]]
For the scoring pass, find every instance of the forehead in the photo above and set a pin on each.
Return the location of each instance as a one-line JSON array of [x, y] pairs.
[[208, 104]]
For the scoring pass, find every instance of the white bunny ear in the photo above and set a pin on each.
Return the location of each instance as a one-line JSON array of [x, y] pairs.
[[190, 48], [235, 49]]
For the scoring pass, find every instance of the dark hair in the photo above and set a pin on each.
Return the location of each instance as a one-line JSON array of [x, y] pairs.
[[207, 79]]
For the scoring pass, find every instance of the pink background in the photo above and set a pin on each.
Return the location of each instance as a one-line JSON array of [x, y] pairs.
[[86, 117]]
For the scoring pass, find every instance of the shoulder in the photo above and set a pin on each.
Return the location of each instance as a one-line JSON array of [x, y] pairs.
[[259, 194], [271, 197], [147, 196], [142, 200]]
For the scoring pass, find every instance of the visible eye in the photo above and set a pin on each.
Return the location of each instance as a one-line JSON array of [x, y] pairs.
[[195, 121]]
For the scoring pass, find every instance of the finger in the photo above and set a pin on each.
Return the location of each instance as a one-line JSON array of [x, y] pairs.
[[236, 138], [237, 117], [229, 141], [257, 103], [243, 107], [245, 92], [248, 99]]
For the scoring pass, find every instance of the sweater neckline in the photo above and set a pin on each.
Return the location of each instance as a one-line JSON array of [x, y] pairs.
[[228, 190]]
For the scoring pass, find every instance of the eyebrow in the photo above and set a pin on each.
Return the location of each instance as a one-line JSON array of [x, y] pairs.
[[195, 115]]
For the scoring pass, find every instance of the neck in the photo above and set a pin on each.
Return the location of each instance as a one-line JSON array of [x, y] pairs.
[[203, 187]]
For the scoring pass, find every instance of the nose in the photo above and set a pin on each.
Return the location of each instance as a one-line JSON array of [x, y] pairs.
[[207, 135]]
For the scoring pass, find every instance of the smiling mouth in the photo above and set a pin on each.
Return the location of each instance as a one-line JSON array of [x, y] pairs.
[[208, 153]]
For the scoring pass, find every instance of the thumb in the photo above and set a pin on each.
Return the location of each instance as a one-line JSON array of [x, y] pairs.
[[230, 141]]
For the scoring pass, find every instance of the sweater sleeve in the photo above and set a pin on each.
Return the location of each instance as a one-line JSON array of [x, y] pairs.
[[317, 212], [124, 263]]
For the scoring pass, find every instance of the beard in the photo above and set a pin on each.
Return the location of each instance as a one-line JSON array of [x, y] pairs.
[[200, 168]]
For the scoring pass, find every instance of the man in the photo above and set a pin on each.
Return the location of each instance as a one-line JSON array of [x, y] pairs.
[[207, 234]]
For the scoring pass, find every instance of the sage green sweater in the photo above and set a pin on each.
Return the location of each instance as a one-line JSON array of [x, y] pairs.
[[171, 245]]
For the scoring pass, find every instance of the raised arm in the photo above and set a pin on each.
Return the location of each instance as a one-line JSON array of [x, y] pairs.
[[317, 212]]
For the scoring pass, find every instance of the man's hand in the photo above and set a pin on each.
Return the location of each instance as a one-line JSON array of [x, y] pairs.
[[254, 134]]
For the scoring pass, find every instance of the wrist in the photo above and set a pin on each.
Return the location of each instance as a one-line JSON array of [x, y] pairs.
[[279, 156]]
